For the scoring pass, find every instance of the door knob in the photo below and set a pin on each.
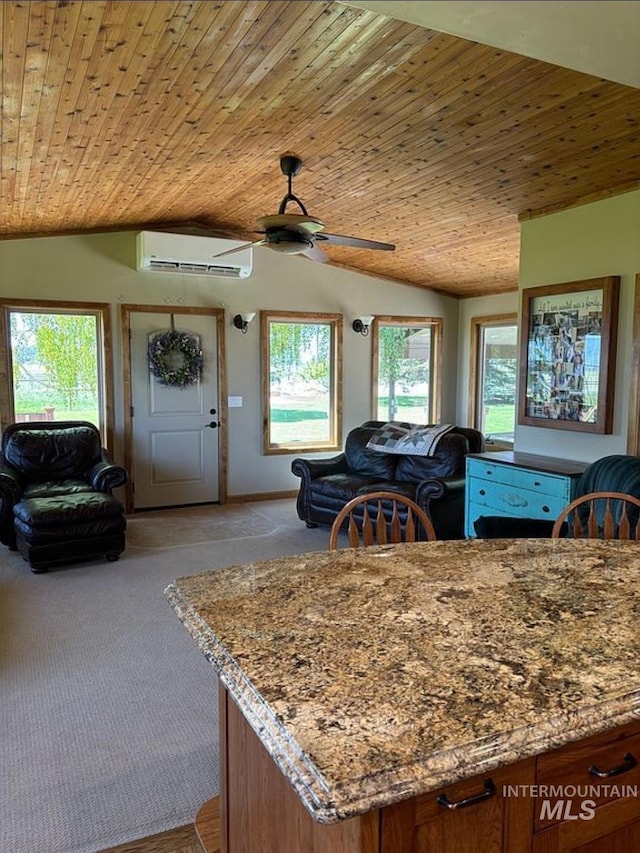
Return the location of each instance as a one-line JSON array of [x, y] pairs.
[[213, 412], [213, 424]]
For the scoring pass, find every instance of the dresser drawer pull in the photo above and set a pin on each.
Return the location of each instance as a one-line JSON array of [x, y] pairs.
[[628, 763], [514, 500], [545, 508], [482, 492], [489, 791]]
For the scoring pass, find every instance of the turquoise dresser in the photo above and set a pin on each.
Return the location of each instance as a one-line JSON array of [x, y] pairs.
[[520, 484]]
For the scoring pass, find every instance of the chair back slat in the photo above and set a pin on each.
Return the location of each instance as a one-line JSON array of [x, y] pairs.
[[367, 530], [354, 533], [577, 527], [592, 526], [396, 525], [381, 526], [374, 519], [613, 522], [410, 528], [624, 527]]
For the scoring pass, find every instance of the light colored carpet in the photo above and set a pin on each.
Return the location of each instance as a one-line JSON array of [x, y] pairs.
[[108, 711]]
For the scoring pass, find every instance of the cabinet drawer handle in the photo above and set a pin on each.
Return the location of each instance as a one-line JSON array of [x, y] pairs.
[[514, 500], [489, 791], [628, 763], [482, 492], [545, 508]]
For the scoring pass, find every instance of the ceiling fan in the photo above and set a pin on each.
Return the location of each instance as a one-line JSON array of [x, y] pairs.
[[299, 233]]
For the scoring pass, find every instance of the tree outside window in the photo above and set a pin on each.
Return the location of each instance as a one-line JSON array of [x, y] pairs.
[[300, 381], [405, 356], [55, 366]]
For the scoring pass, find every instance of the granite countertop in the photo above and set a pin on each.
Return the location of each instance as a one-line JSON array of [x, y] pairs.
[[379, 673]]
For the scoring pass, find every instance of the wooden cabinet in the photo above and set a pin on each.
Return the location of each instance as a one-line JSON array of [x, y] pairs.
[[259, 810], [614, 831], [518, 484], [520, 817], [440, 821], [604, 815], [497, 812], [603, 767]]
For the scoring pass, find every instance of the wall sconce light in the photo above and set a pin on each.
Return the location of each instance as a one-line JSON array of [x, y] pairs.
[[241, 321], [361, 324]]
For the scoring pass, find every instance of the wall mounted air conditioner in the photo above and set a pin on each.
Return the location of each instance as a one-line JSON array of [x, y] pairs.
[[160, 251]]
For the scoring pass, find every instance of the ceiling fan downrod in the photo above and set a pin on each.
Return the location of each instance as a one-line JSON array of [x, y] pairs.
[[290, 166]]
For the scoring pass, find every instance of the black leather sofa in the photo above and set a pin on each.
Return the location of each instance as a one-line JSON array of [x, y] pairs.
[[436, 483], [56, 504]]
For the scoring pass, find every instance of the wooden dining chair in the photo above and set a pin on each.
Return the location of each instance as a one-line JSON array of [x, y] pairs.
[[599, 515], [369, 524]]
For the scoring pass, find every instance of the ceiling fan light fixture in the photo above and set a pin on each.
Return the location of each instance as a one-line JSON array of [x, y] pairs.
[[299, 233], [290, 248], [289, 242]]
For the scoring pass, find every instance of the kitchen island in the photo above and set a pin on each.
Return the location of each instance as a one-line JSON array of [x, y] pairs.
[[372, 682]]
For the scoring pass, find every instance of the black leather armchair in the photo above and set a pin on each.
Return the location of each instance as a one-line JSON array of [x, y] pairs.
[[615, 473], [56, 504], [436, 483]]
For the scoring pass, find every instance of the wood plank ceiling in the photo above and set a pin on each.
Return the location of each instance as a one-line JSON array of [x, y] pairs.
[[120, 114]]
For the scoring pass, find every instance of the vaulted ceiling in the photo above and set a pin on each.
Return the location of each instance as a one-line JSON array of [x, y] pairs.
[[124, 114]]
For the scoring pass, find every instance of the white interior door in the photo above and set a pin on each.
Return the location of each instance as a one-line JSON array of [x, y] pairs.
[[175, 430]]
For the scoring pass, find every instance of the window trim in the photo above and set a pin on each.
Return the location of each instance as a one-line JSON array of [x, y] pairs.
[[436, 324], [102, 312], [335, 322], [633, 426], [475, 341]]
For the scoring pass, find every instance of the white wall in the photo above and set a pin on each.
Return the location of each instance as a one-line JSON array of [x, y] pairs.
[[101, 268], [598, 239]]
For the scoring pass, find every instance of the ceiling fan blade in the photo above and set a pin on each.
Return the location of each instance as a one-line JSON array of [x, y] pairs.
[[355, 242], [315, 253], [240, 248]]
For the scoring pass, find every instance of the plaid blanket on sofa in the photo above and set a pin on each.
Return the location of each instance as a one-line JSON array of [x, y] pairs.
[[414, 439]]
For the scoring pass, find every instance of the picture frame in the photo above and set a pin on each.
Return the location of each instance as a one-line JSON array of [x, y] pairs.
[[567, 355]]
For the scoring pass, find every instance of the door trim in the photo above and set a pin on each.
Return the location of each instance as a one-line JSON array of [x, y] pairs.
[[127, 388]]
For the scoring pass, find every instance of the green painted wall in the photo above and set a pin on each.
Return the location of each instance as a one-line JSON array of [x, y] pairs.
[[102, 268], [598, 239]]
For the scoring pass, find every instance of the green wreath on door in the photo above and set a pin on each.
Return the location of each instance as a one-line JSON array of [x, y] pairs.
[[175, 358]]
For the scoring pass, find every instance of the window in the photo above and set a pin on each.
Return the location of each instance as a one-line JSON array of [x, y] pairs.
[[494, 369], [301, 381], [406, 359], [56, 357]]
